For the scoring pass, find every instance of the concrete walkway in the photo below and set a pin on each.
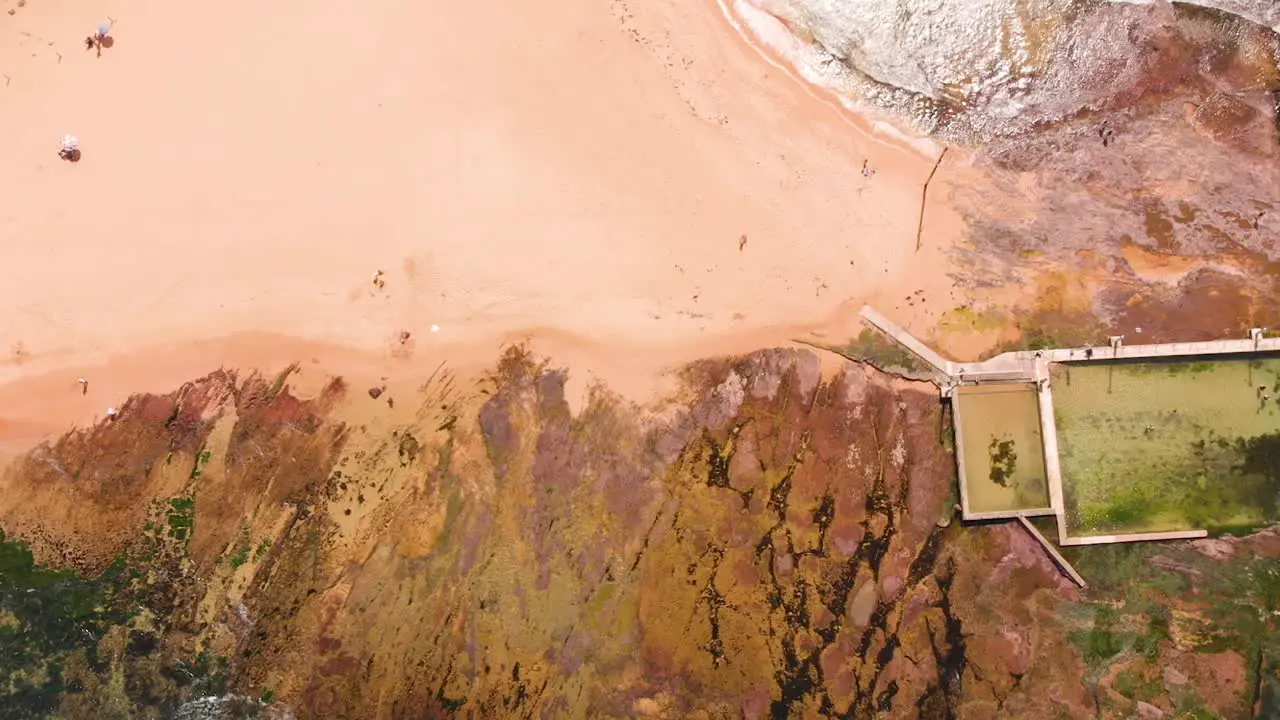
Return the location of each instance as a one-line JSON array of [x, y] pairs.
[[1049, 436], [907, 340], [1160, 350], [1021, 364]]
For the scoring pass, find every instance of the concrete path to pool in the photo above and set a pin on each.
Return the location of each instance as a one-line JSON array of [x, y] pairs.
[[1029, 365]]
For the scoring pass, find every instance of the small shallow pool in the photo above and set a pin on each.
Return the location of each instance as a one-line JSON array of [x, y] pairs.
[[1001, 447]]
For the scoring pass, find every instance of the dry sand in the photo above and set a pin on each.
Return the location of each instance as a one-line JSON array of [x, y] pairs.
[[577, 172]]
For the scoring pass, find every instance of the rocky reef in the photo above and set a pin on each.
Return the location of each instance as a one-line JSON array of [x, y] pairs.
[[776, 540]]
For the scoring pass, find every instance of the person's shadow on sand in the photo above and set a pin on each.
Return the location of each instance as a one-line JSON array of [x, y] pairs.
[[98, 42]]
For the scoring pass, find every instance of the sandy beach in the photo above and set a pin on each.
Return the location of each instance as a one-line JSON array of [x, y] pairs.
[[626, 185]]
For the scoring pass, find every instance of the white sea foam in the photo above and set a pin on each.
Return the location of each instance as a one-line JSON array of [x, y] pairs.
[[973, 68]]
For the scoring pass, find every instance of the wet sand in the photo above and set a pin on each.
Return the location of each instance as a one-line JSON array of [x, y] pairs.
[[578, 174]]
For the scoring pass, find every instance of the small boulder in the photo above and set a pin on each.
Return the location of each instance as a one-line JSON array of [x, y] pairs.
[[1229, 120], [1147, 711], [1173, 678], [1214, 548]]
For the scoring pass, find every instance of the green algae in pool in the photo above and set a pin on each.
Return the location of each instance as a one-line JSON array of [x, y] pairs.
[[1001, 447], [1174, 445]]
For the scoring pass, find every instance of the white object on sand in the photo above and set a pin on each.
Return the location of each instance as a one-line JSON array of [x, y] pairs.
[[435, 328], [69, 144], [111, 412]]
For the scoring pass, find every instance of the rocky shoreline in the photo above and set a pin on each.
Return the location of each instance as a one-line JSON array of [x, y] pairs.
[[774, 542]]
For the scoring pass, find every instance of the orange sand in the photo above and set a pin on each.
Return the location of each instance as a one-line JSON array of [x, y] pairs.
[[575, 172]]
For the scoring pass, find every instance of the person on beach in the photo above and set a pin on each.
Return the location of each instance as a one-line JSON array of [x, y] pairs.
[[69, 148], [100, 38]]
